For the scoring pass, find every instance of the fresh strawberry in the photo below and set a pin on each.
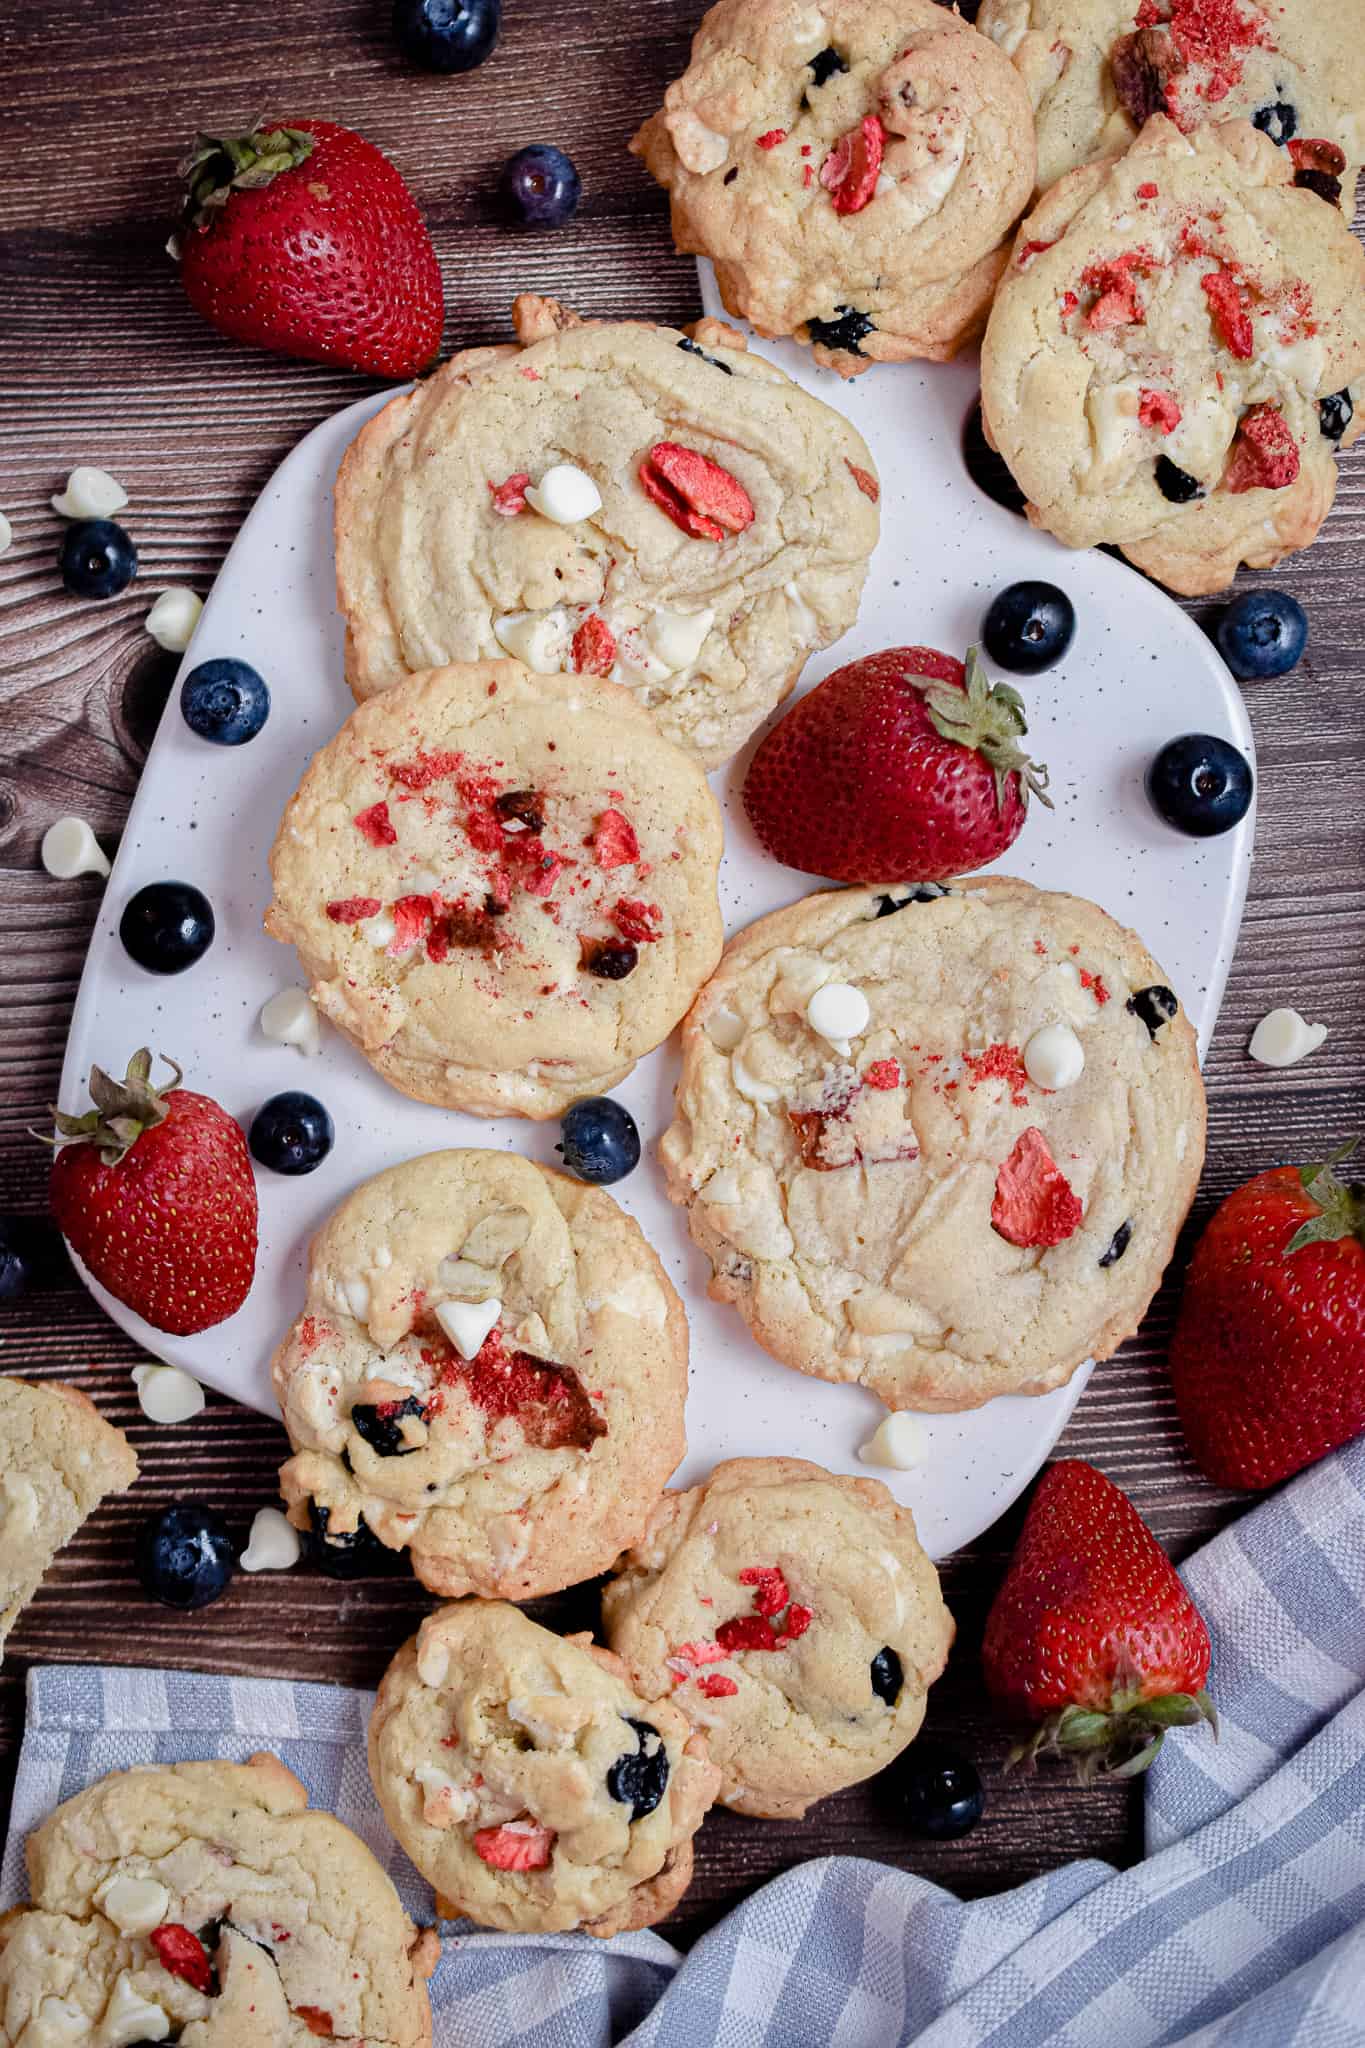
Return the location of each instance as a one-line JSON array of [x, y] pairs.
[[1268, 1357], [519, 1845], [901, 767], [302, 237], [1092, 1637], [154, 1192]]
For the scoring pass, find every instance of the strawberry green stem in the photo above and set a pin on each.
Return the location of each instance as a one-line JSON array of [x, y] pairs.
[[123, 1109], [1120, 1742], [989, 718], [1341, 1204], [219, 165]]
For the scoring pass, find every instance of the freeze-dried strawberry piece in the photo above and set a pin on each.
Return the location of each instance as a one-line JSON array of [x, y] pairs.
[[426, 769], [316, 2020], [1318, 165], [770, 1588], [1265, 455], [883, 1074], [1030, 250], [412, 916], [548, 1401], [614, 841], [999, 1062], [1117, 303], [696, 493], [509, 497], [849, 173], [747, 1632], [771, 139], [1148, 191], [352, 909], [701, 1653], [538, 868], [594, 647], [864, 479], [716, 1686], [798, 1620], [517, 1845], [377, 825], [182, 1954], [642, 923], [1158, 409], [1229, 314], [1033, 1203]]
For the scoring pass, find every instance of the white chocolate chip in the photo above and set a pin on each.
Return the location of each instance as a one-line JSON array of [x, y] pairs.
[[273, 1545], [433, 1660], [1054, 1057], [467, 1323], [565, 494], [173, 618], [839, 1012], [166, 1394], [130, 2017], [380, 929], [70, 848], [291, 1018], [6, 533], [1282, 1039], [885, 184], [357, 1296], [638, 1297], [135, 1904], [540, 639], [678, 637], [446, 1804], [700, 149], [90, 494], [723, 1189], [899, 1441], [725, 1028], [750, 1084]]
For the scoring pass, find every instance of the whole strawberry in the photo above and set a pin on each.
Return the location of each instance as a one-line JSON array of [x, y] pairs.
[[902, 767], [302, 237], [154, 1192], [1092, 1638], [1268, 1357]]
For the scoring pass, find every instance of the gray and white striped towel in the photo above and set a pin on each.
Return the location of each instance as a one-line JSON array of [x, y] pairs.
[[1244, 1925]]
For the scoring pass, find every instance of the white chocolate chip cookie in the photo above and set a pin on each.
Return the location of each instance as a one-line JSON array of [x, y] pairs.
[[910, 1209], [489, 1372], [529, 1782]]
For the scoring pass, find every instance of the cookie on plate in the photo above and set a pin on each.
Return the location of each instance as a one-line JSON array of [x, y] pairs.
[[937, 1142], [528, 1781], [489, 1372], [58, 1460], [616, 499], [1097, 70], [501, 886], [205, 1903], [792, 1615], [1168, 360], [851, 173]]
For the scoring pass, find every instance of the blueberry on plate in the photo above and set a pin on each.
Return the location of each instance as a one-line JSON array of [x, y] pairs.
[[1262, 633], [541, 186], [1029, 627], [167, 926], [600, 1141], [941, 1794], [97, 558], [446, 35], [349, 1554], [14, 1273], [291, 1133], [225, 701], [1200, 784], [185, 1557], [639, 1779]]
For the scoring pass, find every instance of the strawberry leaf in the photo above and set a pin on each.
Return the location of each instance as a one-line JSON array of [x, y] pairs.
[[989, 719], [1341, 1205], [123, 1109]]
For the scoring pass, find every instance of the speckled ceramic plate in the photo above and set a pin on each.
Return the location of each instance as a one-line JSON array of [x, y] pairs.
[[1137, 674]]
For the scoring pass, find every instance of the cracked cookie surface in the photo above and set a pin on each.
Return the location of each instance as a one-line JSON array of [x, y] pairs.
[[909, 1208], [488, 863], [701, 586], [528, 1781], [489, 1372], [793, 1616], [205, 1903]]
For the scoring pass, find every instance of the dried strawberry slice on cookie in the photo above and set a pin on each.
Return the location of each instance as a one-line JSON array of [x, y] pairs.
[[516, 1845], [182, 1954], [1033, 1203], [1265, 455], [696, 493], [850, 172]]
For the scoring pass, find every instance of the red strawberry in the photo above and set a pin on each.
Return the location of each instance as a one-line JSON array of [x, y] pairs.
[[302, 237], [901, 767], [155, 1193], [182, 1954], [1033, 1202], [1268, 1357], [1093, 1632]]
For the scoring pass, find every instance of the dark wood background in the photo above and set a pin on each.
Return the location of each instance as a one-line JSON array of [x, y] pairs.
[[102, 361]]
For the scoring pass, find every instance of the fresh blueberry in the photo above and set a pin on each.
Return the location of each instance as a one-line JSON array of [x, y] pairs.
[[349, 1554], [225, 701], [1262, 633], [941, 1793], [1335, 413], [14, 1274], [888, 1675], [98, 558], [185, 1557], [1119, 1242], [541, 186], [639, 1779], [167, 926], [844, 331], [1200, 784], [600, 1140], [446, 35], [1279, 120], [1175, 483], [1029, 627], [291, 1133], [1153, 1006], [380, 1429]]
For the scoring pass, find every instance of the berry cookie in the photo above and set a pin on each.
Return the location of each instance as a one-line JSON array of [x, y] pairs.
[[502, 886], [527, 1780], [1097, 70], [618, 500], [851, 173], [938, 1142], [204, 1903], [1168, 360], [489, 1372], [58, 1459], [790, 1614]]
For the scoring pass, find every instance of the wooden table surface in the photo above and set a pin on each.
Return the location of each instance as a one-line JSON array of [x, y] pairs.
[[102, 361]]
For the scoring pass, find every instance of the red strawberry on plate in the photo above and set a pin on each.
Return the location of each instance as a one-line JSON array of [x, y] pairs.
[[902, 767], [1092, 1638], [302, 237], [1268, 1357], [154, 1192]]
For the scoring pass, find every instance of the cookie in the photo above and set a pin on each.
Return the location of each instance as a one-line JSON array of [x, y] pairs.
[[1097, 70], [793, 1616], [501, 886], [489, 1372], [616, 499], [205, 1903], [527, 1780], [1168, 360], [850, 173], [58, 1459], [937, 1142]]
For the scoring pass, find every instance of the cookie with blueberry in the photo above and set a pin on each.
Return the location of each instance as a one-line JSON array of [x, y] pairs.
[[793, 1616], [530, 1782]]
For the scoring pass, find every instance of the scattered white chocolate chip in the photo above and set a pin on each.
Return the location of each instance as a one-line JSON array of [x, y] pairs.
[[540, 639], [564, 494], [1054, 1057], [70, 848], [166, 1394], [433, 1660], [839, 1012], [725, 1028], [752, 1086], [135, 1904], [1282, 1039], [678, 637], [900, 1441], [273, 1545], [6, 533], [291, 1018], [357, 1293], [380, 929], [129, 2017], [90, 494], [173, 618], [467, 1323]]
